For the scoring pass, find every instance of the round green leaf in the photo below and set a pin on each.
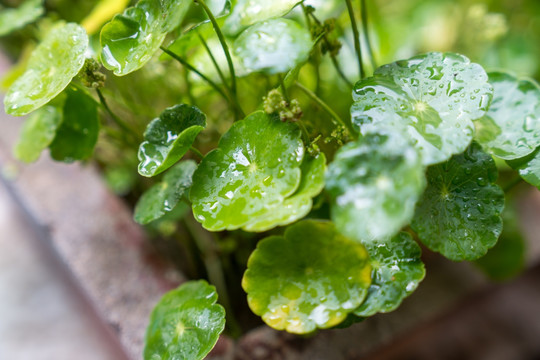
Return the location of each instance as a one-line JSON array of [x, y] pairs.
[[185, 324], [15, 18], [52, 65], [528, 167], [310, 278], [255, 168], [511, 127], [37, 133], [273, 46], [459, 215], [164, 196], [169, 137], [375, 183], [433, 98], [396, 272]]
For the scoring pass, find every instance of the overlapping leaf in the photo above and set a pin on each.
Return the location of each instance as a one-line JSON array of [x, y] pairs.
[[185, 324], [528, 167], [310, 278], [459, 215], [15, 18]]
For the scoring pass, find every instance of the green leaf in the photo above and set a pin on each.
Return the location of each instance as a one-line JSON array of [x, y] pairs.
[[52, 65], [37, 133], [78, 132], [375, 183], [396, 272], [15, 18], [248, 12], [169, 137], [528, 167], [459, 214], [511, 127], [433, 98], [185, 324], [310, 278], [130, 39], [164, 196], [273, 46], [250, 175]]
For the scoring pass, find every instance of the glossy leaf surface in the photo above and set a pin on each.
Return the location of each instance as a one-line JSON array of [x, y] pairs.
[[15, 18], [254, 169], [164, 196], [52, 65], [248, 12], [396, 272], [273, 46], [433, 98], [185, 324], [310, 278], [459, 215], [375, 183], [37, 133], [528, 167], [169, 137], [511, 127]]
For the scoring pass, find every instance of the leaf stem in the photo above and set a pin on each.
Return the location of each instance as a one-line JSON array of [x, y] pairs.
[[512, 183], [121, 124], [356, 35], [197, 152], [365, 30], [284, 89]]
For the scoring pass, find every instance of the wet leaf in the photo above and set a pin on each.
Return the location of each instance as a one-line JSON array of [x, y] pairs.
[[52, 65], [253, 171], [102, 12], [433, 98], [169, 137], [459, 215], [273, 46], [185, 324], [511, 127], [310, 278], [164, 196], [375, 183], [37, 133], [15, 18], [396, 272], [528, 167]]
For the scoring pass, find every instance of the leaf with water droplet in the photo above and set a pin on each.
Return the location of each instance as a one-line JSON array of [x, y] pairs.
[[168, 138], [310, 278], [15, 18], [51, 67], [511, 127], [459, 215], [528, 167], [252, 173], [164, 196], [375, 183], [130, 39], [273, 46], [185, 323], [396, 272], [407, 96]]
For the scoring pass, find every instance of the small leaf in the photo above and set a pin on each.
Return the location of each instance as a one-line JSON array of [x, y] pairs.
[[185, 324], [130, 39], [52, 65], [169, 137], [396, 272], [37, 133], [15, 18], [273, 46], [433, 98], [78, 132], [459, 214], [375, 183], [310, 278], [164, 196], [511, 127], [528, 167]]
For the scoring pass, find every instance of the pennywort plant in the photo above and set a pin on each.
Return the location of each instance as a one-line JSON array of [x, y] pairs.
[[254, 151]]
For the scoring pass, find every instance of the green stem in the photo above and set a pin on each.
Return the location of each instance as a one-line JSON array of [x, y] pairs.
[[121, 124], [365, 28], [197, 152], [356, 35], [512, 183], [284, 89]]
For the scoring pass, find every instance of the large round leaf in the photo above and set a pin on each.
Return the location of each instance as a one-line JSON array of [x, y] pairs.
[[254, 169], [459, 215], [511, 127], [528, 167], [185, 324], [169, 137], [273, 46], [52, 65], [15, 18], [396, 272], [433, 98], [310, 278], [375, 183]]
